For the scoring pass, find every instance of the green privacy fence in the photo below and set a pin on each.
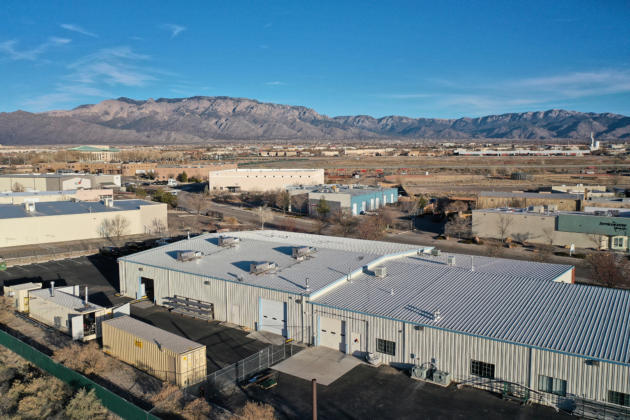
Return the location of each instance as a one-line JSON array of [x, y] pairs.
[[113, 402]]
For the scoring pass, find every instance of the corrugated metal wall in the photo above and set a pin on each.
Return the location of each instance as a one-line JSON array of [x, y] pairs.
[[50, 314], [157, 361], [222, 294]]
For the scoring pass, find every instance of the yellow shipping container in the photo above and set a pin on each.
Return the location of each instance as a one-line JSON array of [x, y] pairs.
[[160, 353]]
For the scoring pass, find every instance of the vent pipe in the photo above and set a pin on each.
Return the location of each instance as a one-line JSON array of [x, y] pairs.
[[86, 296], [52, 288], [308, 287], [472, 263]]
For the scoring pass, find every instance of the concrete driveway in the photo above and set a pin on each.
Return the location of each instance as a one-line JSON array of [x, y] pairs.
[[321, 363]]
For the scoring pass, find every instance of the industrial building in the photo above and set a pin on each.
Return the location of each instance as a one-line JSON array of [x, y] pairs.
[[97, 153], [163, 172], [64, 309], [497, 199], [353, 199], [160, 353], [57, 182], [234, 180], [601, 229], [60, 221], [18, 293], [488, 322], [43, 196]]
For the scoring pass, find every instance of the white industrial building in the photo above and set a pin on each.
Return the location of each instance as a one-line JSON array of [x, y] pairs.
[[487, 322], [234, 180]]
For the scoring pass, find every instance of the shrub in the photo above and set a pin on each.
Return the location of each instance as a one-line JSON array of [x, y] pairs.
[[43, 397], [197, 409], [85, 405], [88, 359], [255, 411]]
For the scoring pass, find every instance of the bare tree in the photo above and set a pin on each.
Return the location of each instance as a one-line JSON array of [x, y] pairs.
[[548, 236], [283, 200], [458, 226], [344, 223], [192, 201], [115, 227], [158, 226], [264, 215], [610, 269], [503, 226], [596, 240], [17, 187]]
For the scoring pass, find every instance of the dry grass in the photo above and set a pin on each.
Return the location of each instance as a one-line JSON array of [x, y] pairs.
[[255, 411], [85, 405], [87, 359], [170, 401]]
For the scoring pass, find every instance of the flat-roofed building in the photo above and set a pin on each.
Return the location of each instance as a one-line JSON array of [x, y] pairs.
[[43, 196], [263, 179], [496, 199], [353, 199], [97, 153], [57, 182], [60, 221]]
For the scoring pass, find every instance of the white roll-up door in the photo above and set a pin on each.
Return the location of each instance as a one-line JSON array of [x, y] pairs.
[[273, 317], [332, 333]]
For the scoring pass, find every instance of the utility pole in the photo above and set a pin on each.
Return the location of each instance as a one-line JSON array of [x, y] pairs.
[[314, 381]]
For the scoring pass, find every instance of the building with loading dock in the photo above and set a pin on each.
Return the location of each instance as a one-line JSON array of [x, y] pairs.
[[510, 326]]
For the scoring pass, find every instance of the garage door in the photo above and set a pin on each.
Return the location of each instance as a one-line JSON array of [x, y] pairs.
[[273, 317], [332, 333]]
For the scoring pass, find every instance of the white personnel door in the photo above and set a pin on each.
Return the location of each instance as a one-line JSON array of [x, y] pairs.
[[76, 327], [332, 333], [354, 209], [273, 317]]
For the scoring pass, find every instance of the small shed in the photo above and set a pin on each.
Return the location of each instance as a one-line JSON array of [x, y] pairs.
[[19, 294], [64, 309], [160, 353]]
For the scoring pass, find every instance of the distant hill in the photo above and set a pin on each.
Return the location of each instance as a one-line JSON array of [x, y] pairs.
[[203, 119]]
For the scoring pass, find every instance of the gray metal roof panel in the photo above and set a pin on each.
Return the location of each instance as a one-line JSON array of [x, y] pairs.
[[590, 321], [66, 300], [334, 258], [153, 334], [56, 208]]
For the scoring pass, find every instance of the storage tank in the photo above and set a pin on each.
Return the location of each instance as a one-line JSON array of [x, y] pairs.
[[160, 353]]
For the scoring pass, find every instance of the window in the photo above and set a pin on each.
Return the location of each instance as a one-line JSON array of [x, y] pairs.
[[485, 370], [552, 385], [387, 347], [618, 242], [619, 398]]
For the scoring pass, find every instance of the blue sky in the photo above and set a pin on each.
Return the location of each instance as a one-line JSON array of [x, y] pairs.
[[442, 59]]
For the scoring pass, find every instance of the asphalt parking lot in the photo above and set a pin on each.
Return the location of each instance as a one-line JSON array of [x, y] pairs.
[[224, 345], [379, 393]]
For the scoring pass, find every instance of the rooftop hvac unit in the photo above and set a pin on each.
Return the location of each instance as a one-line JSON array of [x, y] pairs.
[[380, 271], [228, 241], [108, 201], [451, 260], [552, 207], [29, 206], [188, 255], [299, 252], [262, 267], [435, 252], [442, 378]]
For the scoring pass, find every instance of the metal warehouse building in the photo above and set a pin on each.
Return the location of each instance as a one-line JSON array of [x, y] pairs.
[[488, 322], [353, 199]]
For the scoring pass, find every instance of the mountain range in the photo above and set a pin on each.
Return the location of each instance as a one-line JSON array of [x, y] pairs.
[[204, 119]]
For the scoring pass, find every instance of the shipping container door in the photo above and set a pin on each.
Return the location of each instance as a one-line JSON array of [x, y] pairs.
[[332, 333], [273, 317]]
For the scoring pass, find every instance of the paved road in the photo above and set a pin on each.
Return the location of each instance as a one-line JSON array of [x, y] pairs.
[[249, 216]]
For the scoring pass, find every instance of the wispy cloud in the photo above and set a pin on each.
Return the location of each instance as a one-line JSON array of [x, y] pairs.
[[558, 90], [275, 83], [111, 66], [174, 29], [76, 28], [10, 50]]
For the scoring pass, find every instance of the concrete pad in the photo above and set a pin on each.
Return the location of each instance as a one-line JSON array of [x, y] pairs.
[[267, 337], [321, 363]]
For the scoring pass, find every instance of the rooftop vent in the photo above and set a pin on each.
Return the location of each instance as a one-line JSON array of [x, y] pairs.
[[262, 267], [188, 255], [435, 252], [228, 241], [451, 260], [301, 252], [29, 206], [108, 201], [380, 271]]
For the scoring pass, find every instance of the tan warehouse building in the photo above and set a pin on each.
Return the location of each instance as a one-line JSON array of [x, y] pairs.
[[56, 182], [164, 172], [496, 199], [60, 221], [263, 179], [43, 196]]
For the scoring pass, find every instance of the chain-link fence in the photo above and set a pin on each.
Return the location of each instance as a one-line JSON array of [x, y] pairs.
[[244, 369]]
